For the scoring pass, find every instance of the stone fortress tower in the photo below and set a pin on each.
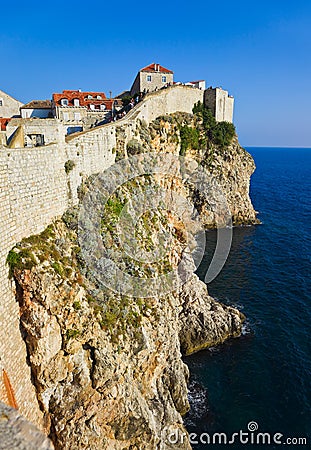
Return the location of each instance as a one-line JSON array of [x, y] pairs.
[[220, 103]]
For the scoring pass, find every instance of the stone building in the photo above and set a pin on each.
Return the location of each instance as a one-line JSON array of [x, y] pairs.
[[152, 78], [9, 107], [76, 108], [37, 108], [220, 103], [199, 84], [34, 132], [43, 122]]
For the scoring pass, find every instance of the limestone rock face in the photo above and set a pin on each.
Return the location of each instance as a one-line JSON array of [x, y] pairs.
[[231, 167], [99, 386], [205, 322]]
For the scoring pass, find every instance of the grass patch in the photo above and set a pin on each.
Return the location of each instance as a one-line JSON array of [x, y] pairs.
[[22, 259], [58, 268], [72, 333], [77, 305]]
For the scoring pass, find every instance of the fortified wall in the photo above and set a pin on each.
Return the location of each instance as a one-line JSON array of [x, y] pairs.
[[34, 189]]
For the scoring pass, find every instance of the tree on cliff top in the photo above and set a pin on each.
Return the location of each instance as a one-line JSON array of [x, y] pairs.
[[219, 133]]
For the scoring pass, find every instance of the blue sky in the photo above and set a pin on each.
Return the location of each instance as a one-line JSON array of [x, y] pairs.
[[259, 50]]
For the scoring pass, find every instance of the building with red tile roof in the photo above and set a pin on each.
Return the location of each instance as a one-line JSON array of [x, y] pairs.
[[76, 98], [75, 107], [152, 78], [198, 84], [155, 68]]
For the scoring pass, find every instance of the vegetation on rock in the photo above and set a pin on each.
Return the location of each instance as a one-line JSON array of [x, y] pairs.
[[219, 133], [69, 165], [189, 138]]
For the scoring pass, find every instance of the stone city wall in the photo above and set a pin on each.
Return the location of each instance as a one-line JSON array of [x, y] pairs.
[[35, 189]]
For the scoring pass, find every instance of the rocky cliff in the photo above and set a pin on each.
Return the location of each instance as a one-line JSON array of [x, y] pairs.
[[107, 366], [230, 165]]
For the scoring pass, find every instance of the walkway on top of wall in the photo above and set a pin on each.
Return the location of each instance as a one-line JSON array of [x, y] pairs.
[[132, 114]]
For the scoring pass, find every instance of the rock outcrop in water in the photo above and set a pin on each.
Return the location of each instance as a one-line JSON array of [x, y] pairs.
[[107, 367]]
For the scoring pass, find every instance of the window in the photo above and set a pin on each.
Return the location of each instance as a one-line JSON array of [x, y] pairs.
[[76, 102], [89, 96], [99, 97], [148, 77], [65, 116], [92, 107], [1, 101], [74, 129], [102, 107], [39, 140], [164, 79], [77, 117], [64, 102]]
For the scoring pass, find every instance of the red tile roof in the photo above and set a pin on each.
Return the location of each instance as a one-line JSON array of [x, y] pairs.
[[155, 68], [3, 123], [83, 98]]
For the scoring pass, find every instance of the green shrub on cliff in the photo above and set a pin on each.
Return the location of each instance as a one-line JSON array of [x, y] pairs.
[[134, 147], [189, 138], [219, 133], [209, 122], [20, 259], [223, 134], [72, 334]]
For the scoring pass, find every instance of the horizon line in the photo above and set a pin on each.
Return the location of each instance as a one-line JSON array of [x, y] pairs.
[[275, 146]]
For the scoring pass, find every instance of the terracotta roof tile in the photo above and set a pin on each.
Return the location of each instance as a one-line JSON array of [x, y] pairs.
[[3, 122], [96, 98], [156, 68]]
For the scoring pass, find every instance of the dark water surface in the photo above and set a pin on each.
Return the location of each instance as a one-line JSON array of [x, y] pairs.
[[264, 376]]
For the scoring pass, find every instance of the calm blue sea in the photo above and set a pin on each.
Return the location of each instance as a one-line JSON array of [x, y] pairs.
[[264, 376]]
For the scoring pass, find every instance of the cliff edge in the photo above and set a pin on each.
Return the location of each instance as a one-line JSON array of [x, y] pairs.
[[107, 366]]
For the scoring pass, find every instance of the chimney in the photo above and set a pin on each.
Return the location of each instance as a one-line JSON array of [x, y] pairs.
[[155, 66]]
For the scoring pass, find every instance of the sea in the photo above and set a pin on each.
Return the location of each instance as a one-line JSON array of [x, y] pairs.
[[261, 382]]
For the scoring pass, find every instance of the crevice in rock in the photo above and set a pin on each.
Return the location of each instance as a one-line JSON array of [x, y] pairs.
[[92, 357]]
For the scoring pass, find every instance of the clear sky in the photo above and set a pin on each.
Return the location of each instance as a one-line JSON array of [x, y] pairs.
[[259, 50]]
